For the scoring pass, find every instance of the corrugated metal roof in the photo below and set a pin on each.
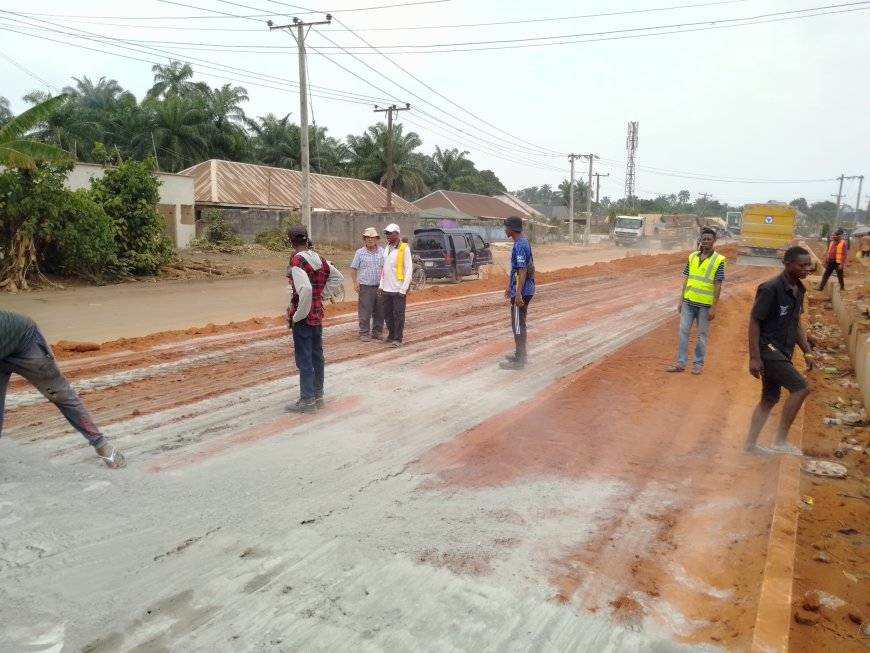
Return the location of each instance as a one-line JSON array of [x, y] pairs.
[[480, 206], [515, 201], [227, 183]]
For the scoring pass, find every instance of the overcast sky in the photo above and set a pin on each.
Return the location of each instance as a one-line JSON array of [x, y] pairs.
[[780, 100]]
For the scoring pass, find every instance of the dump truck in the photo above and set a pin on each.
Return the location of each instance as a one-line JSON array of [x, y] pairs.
[[735, 221], [633, 230], [676, 230], [767, 231]]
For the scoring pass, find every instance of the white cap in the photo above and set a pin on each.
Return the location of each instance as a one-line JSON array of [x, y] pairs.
[[392, 227]]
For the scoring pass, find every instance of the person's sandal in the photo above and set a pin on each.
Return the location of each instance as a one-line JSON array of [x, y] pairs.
[[697, 371], [114, 461], [675, 368]]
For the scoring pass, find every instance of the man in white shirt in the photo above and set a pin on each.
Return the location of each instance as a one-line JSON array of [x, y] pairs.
[[395, 281]]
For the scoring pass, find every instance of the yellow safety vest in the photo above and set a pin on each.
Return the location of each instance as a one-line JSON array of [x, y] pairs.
[[401, 261], [700, 285]]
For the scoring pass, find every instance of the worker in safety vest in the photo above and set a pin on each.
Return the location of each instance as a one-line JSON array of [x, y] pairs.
[[395, 281], [704, 274], [835, 261]]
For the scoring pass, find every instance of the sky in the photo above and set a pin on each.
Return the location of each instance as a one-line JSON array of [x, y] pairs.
[[746, 100]]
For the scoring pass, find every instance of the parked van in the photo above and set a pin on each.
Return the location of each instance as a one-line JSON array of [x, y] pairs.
[[450, 253]]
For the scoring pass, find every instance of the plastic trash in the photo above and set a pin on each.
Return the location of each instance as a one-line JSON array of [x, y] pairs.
[[830, 370], [832, 421]]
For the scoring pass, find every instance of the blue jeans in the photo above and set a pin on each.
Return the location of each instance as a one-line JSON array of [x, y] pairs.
[[36, 363], [308, 351], [688, 315]]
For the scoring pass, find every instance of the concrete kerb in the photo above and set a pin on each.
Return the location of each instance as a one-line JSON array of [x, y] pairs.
[[773, 617]]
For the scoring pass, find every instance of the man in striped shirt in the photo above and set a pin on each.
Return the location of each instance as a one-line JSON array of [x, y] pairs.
[[704, 273], [366, 270]]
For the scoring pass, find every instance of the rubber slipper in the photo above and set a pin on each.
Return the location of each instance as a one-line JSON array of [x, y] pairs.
[[675, 368], [114, 461]]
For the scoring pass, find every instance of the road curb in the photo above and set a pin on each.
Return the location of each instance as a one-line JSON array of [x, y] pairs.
[[773, 618]]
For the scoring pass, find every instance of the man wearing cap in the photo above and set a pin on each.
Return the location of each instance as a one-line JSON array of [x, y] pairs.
[[835, 261], [308, 274], [366, 270], [520, 291], [394, 284]]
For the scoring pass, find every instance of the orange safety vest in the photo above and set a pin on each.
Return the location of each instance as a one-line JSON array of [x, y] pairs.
[[837, 251]]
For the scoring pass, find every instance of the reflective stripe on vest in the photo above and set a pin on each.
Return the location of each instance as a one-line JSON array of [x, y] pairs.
[[401, 262], [700, 286], [839, 248]]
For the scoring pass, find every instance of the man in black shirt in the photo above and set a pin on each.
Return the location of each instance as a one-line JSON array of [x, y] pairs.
[[774, 329]]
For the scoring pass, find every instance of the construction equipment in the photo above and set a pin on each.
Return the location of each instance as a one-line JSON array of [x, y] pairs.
[[677, 230], [735, 221], [767, 231]]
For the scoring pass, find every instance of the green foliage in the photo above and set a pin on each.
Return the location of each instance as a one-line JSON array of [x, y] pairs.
[[220, 232], [273, 239], [128, 194], [80, 239], [18, 152]]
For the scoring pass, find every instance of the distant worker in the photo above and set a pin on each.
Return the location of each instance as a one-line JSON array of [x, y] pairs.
[[23, 351], [774, 328], [366, 270], [865, 245], [308, 274], [704, 273], [520, 290], [835, 260], [395, 282]]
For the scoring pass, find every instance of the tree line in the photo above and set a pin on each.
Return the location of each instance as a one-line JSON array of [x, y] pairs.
[[181, 122]]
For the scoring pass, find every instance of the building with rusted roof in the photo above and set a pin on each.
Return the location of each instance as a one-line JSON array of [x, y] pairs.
[[256, 198], [481, 207]]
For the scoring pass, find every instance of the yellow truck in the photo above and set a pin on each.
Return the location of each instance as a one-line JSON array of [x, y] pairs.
[[767, 231]]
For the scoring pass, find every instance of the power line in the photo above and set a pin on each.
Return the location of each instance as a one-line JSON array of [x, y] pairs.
[[418, 80], [87, 19], [323, 92], [32, 74], [403, 4]]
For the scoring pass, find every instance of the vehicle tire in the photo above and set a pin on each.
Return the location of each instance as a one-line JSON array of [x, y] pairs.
[[418, 279]]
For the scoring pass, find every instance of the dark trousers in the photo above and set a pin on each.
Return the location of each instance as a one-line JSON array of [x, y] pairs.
[[518, 326], [865, 254], [394, 315], [308, 351], [370, 310], [36, 363], [830, 268]]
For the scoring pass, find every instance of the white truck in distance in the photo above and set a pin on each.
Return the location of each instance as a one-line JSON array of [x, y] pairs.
[[630, 230]]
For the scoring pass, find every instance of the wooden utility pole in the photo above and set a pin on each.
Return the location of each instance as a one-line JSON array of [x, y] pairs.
[[858, 201], [588, 237], [389, 111], [839, 199], [598, 176], [571, 158], [303, 110]]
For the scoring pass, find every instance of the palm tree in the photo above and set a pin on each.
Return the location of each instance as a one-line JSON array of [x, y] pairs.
[[684, 196], [452, 171], [16, 152], [171, 80], [368, 159], [176, 133], [276, 142], [580, 193]]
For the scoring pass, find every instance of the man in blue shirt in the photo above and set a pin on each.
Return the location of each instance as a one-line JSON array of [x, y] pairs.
[[520, 291]]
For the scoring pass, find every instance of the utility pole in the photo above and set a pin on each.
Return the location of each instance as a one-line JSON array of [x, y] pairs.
[[858, 201], [303, 109], [704, 208], [598, 176], [839, 197], [389, 111], [571, 157], [591, 158], [867, 221]]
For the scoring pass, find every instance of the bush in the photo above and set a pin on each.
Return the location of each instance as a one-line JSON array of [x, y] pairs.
[[220, 232], [82, 239], [128, 194], [274, 240]]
